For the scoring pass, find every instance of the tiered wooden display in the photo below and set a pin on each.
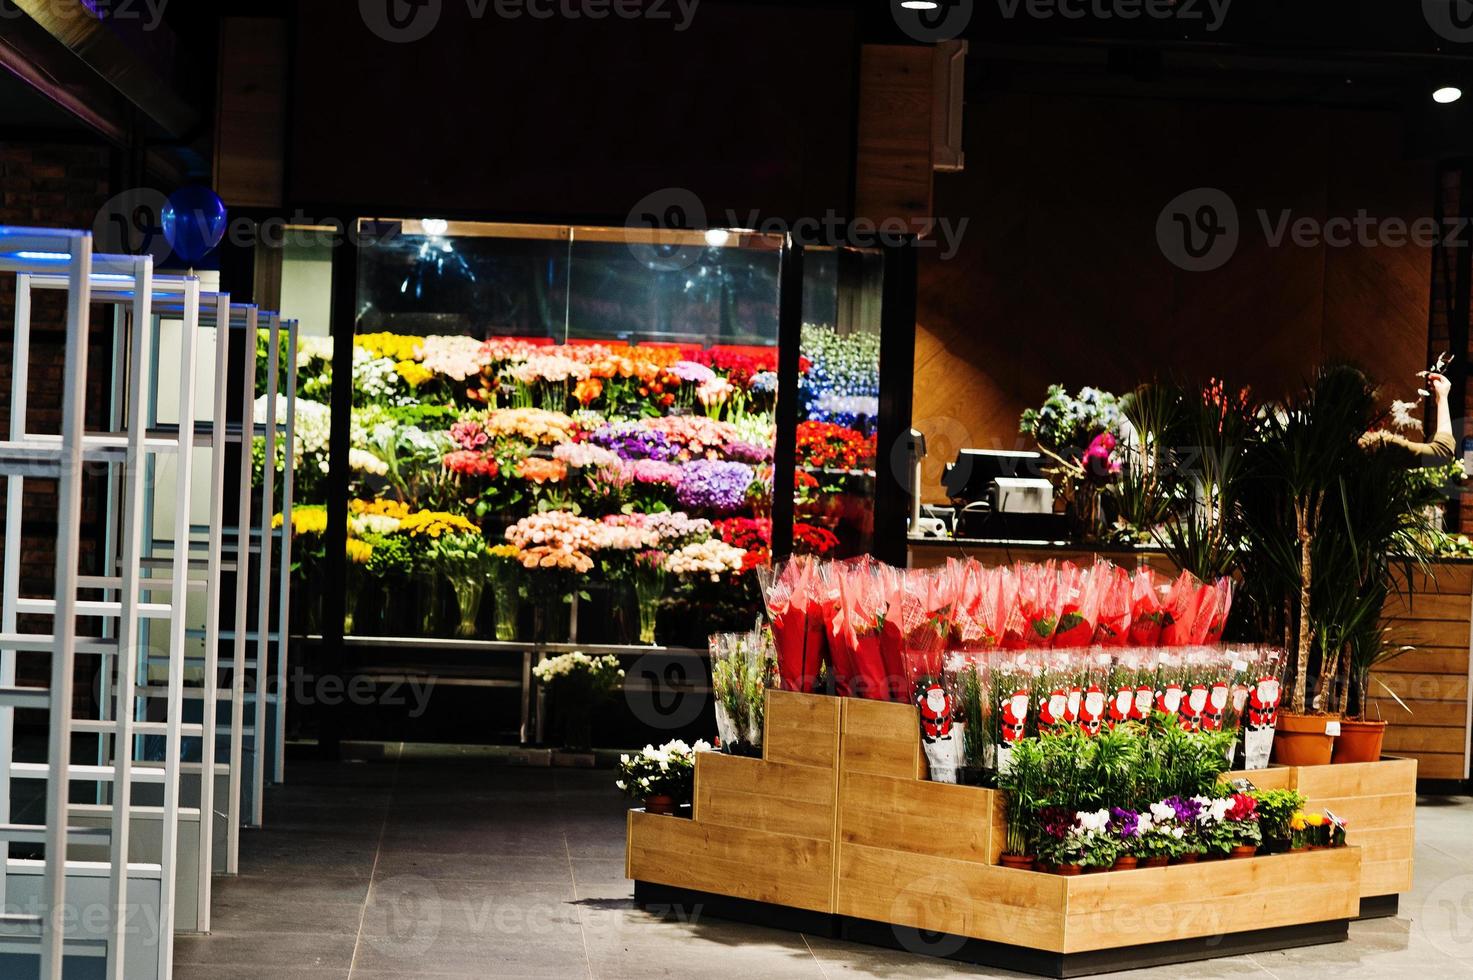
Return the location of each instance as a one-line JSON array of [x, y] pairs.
[[836, 830]]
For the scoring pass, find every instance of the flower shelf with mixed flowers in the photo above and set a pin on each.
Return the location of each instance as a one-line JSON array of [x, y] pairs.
[[554, 454]]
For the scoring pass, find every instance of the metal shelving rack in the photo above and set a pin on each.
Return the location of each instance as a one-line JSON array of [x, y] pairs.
[[148, 651], [124, 888]]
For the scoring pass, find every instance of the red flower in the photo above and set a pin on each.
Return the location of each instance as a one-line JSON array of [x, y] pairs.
[[467, 463], [824, 445]]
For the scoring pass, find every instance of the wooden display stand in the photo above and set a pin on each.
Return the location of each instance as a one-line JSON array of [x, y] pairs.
[[1378, 801], [836, 831]]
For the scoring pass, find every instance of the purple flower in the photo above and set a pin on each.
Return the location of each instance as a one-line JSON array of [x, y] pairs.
[[1125, 824], [1187, 810], [632, 441], [714, 485], [692, 372], [747, 452]]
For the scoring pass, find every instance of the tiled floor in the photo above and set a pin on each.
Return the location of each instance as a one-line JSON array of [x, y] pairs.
[[429, 869]]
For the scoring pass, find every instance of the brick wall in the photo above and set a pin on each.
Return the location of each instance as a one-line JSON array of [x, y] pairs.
[[52, 185]]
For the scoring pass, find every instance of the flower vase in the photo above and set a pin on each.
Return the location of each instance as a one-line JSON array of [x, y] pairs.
[[468, 592], [553, 620], [649, 589], [1083, 510], [508, 607], [428, 589]]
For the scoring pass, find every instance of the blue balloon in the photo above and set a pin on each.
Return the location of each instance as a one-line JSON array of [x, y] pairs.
[[194, 222]]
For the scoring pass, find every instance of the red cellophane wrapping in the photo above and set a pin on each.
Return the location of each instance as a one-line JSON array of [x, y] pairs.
[[1145, 609], [1038, 601], [1011, 627], [1079, 606], [1179, 611], [1113, 626], [1222, 605], [892, 634], [860, 623], [800, 643], [827, 599]]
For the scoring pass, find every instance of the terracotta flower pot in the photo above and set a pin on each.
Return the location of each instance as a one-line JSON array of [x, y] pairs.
[[1300, 740], [1068, 870], [1095, 869], [1244, 850], [1154, 862], [1359, 741], [1126, 862], [1023, 862], [1191, 857], [660, 804]]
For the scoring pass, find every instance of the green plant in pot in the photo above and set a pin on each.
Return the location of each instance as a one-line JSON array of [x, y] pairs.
[[1022, 783], [1276, 809], [1303, 467]]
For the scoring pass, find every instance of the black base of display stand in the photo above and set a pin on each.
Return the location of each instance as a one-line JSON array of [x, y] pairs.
[[691, 905], [1380, 907]]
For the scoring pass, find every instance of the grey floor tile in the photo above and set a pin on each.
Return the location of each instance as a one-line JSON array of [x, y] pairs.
[[268, 951]]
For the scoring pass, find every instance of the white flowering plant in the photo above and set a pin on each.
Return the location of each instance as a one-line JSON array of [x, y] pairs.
[[669, 770], [601, 674]]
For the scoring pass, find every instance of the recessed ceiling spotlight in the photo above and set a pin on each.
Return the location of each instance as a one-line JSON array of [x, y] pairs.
[[716, 237], [434, 227], [1446, 94], [919, 4]]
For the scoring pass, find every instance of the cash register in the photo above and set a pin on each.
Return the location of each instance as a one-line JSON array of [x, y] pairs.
[[1003, 495]]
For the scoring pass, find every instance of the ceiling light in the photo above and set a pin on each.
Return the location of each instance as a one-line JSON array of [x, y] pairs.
[[919, 4], [717, 237], [1446, 94], [435, 227]]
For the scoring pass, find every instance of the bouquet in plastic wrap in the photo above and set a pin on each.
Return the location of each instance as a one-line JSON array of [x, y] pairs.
[[741, 672], [793, 598]]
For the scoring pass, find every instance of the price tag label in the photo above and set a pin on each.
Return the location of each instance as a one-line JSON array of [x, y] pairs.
[[1332, 728]]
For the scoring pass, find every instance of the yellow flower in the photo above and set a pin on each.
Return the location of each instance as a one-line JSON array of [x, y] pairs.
[[391, 345], [413, 373], [505, 551], [1298, 821], [306, 519], [435, 523], [359, 551], [1315, 819], [385, 508]]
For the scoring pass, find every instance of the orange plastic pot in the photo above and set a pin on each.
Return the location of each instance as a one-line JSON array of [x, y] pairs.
[[1023, 862], [1360, 741], [1301, 740]]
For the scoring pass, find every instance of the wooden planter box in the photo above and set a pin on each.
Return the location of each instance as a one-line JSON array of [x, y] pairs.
[[837, 831], [1378, 801]]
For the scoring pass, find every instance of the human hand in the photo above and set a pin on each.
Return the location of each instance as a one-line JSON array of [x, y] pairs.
[[1440, 384]]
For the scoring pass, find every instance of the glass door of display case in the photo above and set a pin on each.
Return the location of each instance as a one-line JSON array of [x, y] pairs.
[[564, 437], [595, 404]]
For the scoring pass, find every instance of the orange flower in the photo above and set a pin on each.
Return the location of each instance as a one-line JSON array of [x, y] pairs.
[[587, 390], [539, 470]]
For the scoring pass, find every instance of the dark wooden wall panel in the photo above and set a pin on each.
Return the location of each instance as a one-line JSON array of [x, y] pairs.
[[1060, 276]]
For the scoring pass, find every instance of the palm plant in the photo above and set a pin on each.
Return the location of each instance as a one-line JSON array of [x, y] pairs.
[[1205, 535], [1023, 783], [1145, 493], [1297, 459]]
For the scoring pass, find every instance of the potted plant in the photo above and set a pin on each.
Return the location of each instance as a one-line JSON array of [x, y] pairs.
[[579, 683], [1162, 838], [741, 669], [1079, 434], [1061, 841], [1126, 826], [1276, 809], [1326, 509], [1241, 822], [662, 778], [1099, 847], [1022, 785]]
